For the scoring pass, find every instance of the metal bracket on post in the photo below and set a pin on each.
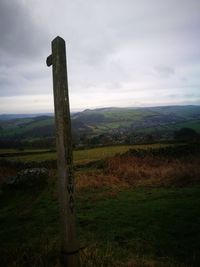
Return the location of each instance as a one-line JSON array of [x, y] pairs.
[[49, 61], [70, 245]]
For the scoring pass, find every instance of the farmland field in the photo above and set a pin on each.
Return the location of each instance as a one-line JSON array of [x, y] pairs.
[[80, 156], [101, 126]]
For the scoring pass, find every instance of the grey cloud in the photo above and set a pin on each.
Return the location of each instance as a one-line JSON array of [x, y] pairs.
[[16, 81], [164, 71], [95, 30], [21, 36], [136, 47]]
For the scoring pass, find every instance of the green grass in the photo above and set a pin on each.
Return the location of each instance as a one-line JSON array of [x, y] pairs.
[[41, 123], [8, 150], [192, 124], [17, 151], [127, 114], [159, 224], [113, 125], [86, 155], [154, 223], [171, 127], [24, 125]]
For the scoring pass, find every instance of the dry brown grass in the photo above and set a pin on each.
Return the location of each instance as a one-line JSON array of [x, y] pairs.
[[97, 179], [131, 171], [154, 171], [128, 170], [95, 257]]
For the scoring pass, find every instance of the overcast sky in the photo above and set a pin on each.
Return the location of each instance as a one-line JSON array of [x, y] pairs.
[[119, 52]]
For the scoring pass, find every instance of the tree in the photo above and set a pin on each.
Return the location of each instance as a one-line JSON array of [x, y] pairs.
[[186, 134]]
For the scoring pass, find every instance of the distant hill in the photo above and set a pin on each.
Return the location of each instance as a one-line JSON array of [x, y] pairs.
[[116, 124], [20, 116], [108, 119]]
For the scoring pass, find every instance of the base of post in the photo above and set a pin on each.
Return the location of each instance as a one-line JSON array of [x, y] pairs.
[[70, 259]]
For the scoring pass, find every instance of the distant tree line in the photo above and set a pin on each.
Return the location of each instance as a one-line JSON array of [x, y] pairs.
[[186, 134]]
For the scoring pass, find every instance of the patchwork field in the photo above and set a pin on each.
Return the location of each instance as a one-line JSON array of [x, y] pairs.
[[80, 156], [104, 126]]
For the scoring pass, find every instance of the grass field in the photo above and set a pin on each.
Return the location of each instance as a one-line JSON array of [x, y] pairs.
[[135, 211], [81, 156], [17, 151]]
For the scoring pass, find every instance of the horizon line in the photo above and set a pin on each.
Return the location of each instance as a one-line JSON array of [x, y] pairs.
[[96, 108]]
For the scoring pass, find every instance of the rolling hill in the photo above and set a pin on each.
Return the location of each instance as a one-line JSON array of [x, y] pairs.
[[112, 124]]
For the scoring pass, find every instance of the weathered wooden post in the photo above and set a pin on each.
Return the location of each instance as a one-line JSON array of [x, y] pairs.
[[70, 246]]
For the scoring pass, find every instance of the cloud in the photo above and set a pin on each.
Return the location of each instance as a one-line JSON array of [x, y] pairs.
[[164, 71], [119, 52], [23, 44], [29, 104], [21, 35]]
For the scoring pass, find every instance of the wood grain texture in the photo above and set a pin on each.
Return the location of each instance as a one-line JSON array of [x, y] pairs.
[[70, 246]]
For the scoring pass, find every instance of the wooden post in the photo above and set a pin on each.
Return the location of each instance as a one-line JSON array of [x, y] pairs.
[[70, 246]]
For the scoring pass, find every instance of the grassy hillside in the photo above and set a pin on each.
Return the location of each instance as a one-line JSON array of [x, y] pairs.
[[117, 124], [137, 209], [20, 127]]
